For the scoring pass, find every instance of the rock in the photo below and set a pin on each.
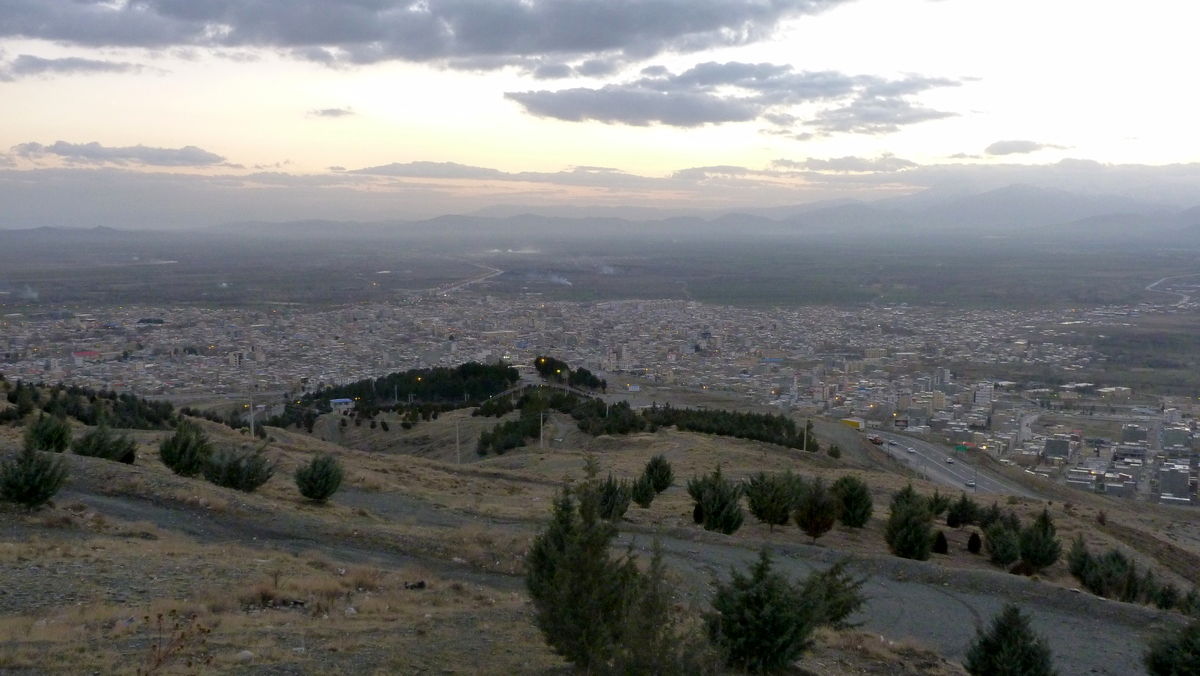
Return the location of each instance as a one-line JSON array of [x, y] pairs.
[[243, 656], [350, 612]]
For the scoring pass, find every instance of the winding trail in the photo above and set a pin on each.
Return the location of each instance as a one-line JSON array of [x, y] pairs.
[[1183, 297]]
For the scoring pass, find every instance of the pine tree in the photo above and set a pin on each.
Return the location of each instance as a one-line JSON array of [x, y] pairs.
[[1079, 560], [1039, 546], [836, 593], [817, 510], [1175, 653], [938, 503], [581, 596], [319, 479], [241, 471], [1002, 544], [772, 496], [940, 545], [717, 502], [963, 512], [855, 497], [660, 473], [1009, 648], [761, 621], [31, 478], [908, 531], [100, 443], [614, 498], [642, 491], [974, 543], [48, 433], [186, 451]]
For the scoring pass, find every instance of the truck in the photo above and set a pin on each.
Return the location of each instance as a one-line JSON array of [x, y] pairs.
[[875, 439]]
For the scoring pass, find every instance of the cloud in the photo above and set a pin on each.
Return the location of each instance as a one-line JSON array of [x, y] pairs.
[[27, 65], [583, 176], [446, 31], [94, 153], [715, 93], [1017, 147], [6, 161], [884, 163], [331, 112]]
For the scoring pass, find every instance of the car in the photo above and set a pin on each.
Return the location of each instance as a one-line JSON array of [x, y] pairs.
[[892, 442], [910, 449], [949, 460], [971, 484]]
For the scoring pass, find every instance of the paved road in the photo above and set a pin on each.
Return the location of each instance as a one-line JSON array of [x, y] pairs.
[[929, 460]]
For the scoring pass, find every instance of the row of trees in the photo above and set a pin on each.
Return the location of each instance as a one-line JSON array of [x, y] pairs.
[[1114, 575], [88, 406], [558, 371]]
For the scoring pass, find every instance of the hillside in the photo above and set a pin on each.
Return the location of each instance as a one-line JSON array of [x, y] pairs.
[[281, 584]]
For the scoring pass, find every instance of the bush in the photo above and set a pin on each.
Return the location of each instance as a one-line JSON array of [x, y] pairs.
[[938, 503], [241, 471], [908, 531], [940, 546], [717, 502], [963, 512], [614, 499], [660, 473], [855, 497], [1039, 546], [974, 543], [31, 478], [1009, 647], [642, 491], [320, 478], [835, 452], [762, 622], [48, 433], [100, 443], [186, 451], [1002, 544], [1079, 560], [772, 496], [1176, 652], [817, 510]]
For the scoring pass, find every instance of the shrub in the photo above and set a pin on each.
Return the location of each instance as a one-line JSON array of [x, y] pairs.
[[660, 473], [938, 503], [940, 546], [31, 478], [1039, 546], [48, 433], [772, 496], [835, 452], [1002, 544], [817, 510], [1079, 560], [761, 621], [238, 470], [642, 491], [717, 502], [100, 443], [320, 478], [186, 451], [974, 543], [908, 532], [963, 512], [1009, 647], [1175, 653]]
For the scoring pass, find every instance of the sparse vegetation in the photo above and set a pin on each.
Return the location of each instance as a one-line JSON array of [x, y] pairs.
[[102, 443], [240, 470], [186, 452], [48, 433]]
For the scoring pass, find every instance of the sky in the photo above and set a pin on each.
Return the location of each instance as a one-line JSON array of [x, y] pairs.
[[176, 113]]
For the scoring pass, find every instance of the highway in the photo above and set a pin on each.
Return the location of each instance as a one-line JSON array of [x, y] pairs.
[[929, 460]]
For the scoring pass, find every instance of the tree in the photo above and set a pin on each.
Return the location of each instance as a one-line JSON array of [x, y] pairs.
[[772, 496], [817, 510], [614, 498], [836, 593], [717, 502], [581, 596], [940, 546], [938, 503], [855, 497], [48, 433], [186, 451], [1039, 546], [1175, 653], [642, 491], [963, 512], [908, 531], [31, 478], [241, 471], [761, 621], [1002, 544], [974, 543], [659, 472], [100, 443], [320, 478], [1079, 560], [1009, 648]]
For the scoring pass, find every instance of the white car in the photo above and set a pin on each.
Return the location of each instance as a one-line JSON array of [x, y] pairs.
[[950, 460], [910, 449], [971, 484]]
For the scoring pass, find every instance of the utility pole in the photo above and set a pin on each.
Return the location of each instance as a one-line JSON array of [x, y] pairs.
[[252, 416], [457, 449], [542, 430]]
